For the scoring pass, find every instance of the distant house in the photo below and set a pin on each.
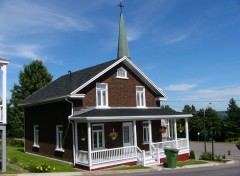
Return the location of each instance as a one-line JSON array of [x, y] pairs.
[[102, 116]]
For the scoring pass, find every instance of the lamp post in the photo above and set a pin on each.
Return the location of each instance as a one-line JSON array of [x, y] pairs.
[[204, 126]]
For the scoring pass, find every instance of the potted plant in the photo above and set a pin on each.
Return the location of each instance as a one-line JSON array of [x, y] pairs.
[[82, 136], [113, 134], [163, 129]]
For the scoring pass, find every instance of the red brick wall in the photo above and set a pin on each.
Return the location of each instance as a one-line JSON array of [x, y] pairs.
[[47, 117], [121, 92]]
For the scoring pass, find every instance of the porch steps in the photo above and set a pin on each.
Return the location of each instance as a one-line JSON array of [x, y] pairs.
[[150, 161]]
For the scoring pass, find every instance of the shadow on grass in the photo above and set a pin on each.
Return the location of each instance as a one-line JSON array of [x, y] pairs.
[[20, 150]]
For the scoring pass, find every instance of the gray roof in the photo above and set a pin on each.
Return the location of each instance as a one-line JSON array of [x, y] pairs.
[[128, 112], [65, 84]]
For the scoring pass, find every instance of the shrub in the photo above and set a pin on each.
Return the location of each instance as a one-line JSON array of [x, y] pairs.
[[238, 144], [41, 168], [218, 158], [13, 160], [223, 156], [15, 142], [192, 155], [206, 156]]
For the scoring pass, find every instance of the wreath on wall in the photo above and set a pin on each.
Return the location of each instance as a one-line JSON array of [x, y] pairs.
[[113, 134]]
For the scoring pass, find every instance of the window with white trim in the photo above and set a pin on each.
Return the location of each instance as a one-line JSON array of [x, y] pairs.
[[102, 94], [140, 96], [59, 138], [98, 136], [122, 73], [145, 133], [36, 135]]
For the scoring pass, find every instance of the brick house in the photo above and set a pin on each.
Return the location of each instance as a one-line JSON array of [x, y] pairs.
[[102, 116]]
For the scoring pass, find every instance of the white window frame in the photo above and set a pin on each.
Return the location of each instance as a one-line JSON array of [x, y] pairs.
[[36, 136], [121, 73], [59, 138], [101, 90], [145, 132], [140, 97], [103, 137]]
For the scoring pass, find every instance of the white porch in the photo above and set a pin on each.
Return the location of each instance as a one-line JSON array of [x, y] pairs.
[[99, 158], [115, 156]]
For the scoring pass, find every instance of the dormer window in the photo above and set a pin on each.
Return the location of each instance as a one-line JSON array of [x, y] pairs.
[[122, 73], [102, 94], [140, 96]]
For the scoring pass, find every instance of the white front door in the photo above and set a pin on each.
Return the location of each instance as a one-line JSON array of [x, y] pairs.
[[127, 134]]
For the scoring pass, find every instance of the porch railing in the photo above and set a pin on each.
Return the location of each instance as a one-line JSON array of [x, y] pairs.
[[179, 144], [113, 155], [140, 156], [82, 157]]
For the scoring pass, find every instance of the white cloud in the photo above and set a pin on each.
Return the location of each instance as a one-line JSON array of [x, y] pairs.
[[215, 94], [24, 17], [180, 87], [178, 38]]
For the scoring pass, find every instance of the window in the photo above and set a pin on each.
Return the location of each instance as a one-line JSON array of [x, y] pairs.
[[122, 73], [36, 135], [98, 136], [59, 136], [145, 133], [140, 93], [102, 94]]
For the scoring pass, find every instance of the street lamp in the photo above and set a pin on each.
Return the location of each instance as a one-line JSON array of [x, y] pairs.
[[205, 136]]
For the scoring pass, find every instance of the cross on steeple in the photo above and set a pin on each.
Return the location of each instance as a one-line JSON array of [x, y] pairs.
[[120, 5]]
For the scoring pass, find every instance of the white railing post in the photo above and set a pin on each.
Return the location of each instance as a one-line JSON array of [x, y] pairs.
[[187, 132], [175, 132], [89, 146], [150, 134], [158, 155], [143, 157]]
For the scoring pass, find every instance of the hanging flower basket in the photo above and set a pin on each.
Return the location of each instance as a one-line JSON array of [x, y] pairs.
[[113, 135], [163, 129], [82, 136]]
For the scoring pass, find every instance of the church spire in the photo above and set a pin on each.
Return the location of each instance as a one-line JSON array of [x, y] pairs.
[[122, 38]]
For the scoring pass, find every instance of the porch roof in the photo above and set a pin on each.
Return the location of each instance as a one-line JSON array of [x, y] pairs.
[[117, 114]]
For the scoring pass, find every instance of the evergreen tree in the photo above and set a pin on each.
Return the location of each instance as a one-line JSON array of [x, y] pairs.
[[233, 120], [32, 78]]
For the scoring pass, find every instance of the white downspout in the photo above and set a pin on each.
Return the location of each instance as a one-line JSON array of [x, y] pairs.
[[73, 132]]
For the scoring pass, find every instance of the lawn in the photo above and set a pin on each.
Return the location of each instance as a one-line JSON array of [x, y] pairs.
[[190, 162], [25, 162]]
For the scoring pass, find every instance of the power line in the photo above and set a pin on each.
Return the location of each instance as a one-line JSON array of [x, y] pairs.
[[206, 101]]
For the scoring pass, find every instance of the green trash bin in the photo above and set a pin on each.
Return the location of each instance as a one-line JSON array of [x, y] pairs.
[[171, 154]]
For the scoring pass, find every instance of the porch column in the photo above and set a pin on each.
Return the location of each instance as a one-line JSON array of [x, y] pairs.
[[150, 134], [89, 145], [76, 140], [187, 131], [135, 133], [172, 128], [175, 132], [168, 130]]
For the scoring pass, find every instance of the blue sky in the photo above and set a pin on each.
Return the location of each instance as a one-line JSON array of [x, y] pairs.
[[190, 48]]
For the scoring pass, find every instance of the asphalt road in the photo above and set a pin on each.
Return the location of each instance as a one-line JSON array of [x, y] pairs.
[[220, 170]]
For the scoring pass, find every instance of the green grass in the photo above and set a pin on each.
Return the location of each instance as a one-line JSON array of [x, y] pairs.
[[25, 160], [190, 162], [128, 168]]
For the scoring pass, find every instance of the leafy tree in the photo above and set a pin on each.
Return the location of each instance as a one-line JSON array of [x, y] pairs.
[[233, 120], [194, 122], [213, 123], [167, 107], [32, 78]]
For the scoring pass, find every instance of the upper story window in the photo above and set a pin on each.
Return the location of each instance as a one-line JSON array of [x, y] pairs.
[[102, 94], [36, 135], [59, 138], [140, 96], [122, 73]]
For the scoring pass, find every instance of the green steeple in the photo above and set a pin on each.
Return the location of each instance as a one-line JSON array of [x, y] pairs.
[[122, 38]]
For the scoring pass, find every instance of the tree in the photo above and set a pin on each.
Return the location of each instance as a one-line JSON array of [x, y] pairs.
[[194, 122], [167, 107], [233, 120], [32, 78]]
